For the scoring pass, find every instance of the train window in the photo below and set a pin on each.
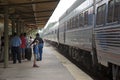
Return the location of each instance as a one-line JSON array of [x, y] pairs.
[[76, 21], [65, 26], [81, 24], [90, 19], [113, 11], [70, 23], [73, 22], [86, 18], [101, 15], [117, 10], [110, 11], [54, 31]]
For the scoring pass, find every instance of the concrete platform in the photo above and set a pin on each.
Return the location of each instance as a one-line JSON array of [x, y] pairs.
[[53, 67]]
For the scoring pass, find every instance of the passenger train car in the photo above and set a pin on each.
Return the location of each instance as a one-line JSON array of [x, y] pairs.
[[52, 33], [90, 34]]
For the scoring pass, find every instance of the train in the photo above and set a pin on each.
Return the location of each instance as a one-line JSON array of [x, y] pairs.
[[89, 32]]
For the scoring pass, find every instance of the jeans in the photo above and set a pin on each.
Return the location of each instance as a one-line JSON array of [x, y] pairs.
[[16, 54], [40, 48]]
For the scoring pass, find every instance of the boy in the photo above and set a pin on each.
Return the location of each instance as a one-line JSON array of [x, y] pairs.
[[35, 51]]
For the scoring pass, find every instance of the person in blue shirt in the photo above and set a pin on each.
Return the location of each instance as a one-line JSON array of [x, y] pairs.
[[15, 48]]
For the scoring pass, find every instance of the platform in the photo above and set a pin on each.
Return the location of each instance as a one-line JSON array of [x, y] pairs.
[[54, 66]]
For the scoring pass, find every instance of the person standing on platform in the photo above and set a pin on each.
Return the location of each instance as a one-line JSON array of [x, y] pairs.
[[40, 46], [31, 40], [35, 51], [27, 40], [23, 46], [2, 48], [15, 47]]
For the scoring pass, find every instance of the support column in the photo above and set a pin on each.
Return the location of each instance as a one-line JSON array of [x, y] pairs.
[[6, 36], [13, 26], [18, 27], [22, 27]]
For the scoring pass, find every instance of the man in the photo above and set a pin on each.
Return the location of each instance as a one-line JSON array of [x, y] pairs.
[[40, 46], [2, 48], [15, 47]]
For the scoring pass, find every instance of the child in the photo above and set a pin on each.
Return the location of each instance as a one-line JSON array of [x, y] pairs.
[[35, 51]]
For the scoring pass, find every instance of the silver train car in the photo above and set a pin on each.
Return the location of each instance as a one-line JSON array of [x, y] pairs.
[[52, 33], [90, 33]]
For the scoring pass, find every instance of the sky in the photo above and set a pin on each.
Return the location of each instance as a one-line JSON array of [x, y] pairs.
[[60, 9]]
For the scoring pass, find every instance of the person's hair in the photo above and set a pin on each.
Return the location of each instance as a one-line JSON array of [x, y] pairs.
[[14, 34], [24, 34], [37, 34]]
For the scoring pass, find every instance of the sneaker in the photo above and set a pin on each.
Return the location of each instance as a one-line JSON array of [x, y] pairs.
[[14, 62], [38, 60], [35, 65], [19, 61], [1, 61]]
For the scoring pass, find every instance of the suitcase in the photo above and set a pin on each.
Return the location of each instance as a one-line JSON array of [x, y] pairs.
[[28, 53]]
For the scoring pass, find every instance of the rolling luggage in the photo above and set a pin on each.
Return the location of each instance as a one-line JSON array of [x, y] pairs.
[[28, 53]]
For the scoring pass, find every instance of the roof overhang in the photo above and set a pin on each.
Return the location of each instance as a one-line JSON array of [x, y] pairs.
[[35, 13]]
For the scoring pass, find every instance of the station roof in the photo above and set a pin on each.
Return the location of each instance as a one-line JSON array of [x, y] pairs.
[[32, 12]]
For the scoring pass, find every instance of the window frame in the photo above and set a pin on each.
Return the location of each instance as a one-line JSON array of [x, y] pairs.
[[81, 16], [113, 16], [100, 24], [86, 21]]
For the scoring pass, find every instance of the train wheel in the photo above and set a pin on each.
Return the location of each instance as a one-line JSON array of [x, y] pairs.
[[73, 53], [70, 51], [116, 72], [77, 55]]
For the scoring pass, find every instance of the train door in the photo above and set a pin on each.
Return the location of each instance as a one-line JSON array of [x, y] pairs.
[[65, 27], [100, 22], [107, 32], [58, 34]]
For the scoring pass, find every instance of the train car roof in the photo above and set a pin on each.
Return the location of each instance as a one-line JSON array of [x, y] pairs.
[[72, 7]]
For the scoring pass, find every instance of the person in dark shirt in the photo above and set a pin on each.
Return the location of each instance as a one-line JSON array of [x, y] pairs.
[[40, 46], [2, 48]]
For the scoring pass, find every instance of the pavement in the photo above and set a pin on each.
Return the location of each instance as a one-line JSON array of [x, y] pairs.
[[54, 66]]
